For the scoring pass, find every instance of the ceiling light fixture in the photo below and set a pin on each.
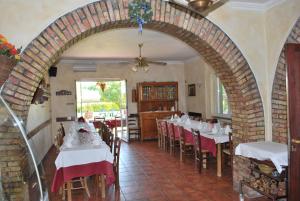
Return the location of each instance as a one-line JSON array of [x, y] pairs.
[[203, 7], [141, 62]]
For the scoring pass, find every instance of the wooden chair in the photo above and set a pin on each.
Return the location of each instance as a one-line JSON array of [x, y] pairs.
[[119, 125], [110, 141], [165, 137], [186, 149], [103, 131], [133, 127], [172, 140], [201, 155], [63, 132], [159, 132], [59, 138], [227, 152], [116, 153], [75, 184]]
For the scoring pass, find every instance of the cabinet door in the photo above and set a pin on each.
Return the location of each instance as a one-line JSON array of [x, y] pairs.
[[148, 127]]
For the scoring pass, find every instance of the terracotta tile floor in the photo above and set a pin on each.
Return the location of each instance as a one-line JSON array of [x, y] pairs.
[[150, 174]]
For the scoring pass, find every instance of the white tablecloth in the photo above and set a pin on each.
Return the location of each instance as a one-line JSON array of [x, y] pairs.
[[78, 153], [218, 138], [276, 152]]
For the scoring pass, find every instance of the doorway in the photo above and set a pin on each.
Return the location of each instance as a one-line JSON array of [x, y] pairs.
[[103, 99]]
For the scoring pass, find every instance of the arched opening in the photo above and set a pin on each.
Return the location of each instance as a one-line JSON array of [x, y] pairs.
[[207, 39]]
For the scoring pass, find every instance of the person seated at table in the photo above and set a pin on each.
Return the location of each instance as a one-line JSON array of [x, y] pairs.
[[81, 119]]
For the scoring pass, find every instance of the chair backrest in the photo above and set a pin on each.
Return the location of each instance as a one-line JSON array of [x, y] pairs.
[[97, 124], [63, 132], [197, 140], [164, 129], [170, 128], [110, 141], [181, 134], [132, 122], [116, 153], [158, 125], [59, 137], [56, 143], [230, 143]]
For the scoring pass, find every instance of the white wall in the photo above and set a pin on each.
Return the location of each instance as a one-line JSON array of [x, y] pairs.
[[198, 72], [63, 106], [42, 141]]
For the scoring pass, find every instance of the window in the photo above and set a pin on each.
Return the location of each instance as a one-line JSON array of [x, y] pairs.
[[222, 99]]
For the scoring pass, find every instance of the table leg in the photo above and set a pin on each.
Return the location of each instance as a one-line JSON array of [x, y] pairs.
[[219, 160], [69, 185], [103, 186]]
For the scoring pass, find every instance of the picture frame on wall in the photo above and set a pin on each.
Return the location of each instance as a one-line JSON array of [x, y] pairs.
[[191, 90]]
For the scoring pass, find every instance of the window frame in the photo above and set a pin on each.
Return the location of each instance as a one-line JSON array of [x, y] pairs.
[[220, 99]]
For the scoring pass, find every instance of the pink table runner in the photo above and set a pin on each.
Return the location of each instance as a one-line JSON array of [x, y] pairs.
[[206, 143], [65, 174]]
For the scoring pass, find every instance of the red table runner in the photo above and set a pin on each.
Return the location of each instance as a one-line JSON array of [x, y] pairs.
[[67, 173]]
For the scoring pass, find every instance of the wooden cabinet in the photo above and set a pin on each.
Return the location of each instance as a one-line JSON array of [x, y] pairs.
[[157, 96], [155, 101], [148, 123]]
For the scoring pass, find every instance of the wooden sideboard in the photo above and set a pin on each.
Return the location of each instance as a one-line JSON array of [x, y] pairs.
[[155, 100], [148, 123]]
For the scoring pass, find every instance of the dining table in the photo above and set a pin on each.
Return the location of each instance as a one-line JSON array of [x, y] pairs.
[[82, 154], [212, 141]]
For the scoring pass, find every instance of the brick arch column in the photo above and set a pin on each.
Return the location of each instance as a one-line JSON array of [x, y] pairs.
[[279, 92], [209, 40]]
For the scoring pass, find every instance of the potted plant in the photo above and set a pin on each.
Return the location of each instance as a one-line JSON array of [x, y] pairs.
[[9, 56]]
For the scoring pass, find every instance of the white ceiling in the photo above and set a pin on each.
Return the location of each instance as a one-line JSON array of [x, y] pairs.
[[122, 44]]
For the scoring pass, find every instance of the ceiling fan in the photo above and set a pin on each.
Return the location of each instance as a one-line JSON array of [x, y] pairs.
[[202, 7], [143, 62]]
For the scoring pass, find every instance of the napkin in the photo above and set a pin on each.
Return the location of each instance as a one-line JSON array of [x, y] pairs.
[[227, 129], [188, 122], [184, 118], [214, 130], [68, 141], [96, 142]]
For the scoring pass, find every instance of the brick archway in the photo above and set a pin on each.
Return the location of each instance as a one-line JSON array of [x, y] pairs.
[[279, 92], [209, 40]]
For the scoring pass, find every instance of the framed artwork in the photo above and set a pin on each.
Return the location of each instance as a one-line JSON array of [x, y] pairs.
[[191, 90]]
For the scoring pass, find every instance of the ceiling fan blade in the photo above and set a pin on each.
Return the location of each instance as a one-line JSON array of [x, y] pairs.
[[125, 62], [157, 63]]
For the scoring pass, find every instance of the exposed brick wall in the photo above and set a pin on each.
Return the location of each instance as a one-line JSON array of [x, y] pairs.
[[279, 92], [201, 34]]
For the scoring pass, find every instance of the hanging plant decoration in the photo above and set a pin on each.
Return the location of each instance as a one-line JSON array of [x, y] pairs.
[[102, 85], [140, 12]]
